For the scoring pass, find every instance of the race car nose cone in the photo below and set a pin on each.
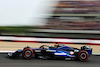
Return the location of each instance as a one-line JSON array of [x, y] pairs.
[[9, 54]]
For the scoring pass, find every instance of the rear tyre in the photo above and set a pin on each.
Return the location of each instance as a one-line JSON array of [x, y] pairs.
[[83, 56], [27, 53]]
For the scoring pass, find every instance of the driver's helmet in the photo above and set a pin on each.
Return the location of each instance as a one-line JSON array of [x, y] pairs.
[[56, 45]]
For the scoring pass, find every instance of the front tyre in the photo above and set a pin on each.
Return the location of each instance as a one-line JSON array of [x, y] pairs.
[[28, 53], [83, 56]]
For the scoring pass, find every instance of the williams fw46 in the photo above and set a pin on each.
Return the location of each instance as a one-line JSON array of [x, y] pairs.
[[49, 52]]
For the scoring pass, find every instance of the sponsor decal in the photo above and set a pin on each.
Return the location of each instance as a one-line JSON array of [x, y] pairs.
[[76, 50], [50, 50], [60, 54], [37, 50]]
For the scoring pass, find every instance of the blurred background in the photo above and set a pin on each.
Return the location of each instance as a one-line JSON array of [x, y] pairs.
[[23, 14], [76, 19]]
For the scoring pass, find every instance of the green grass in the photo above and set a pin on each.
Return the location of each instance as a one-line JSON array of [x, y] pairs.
[[15, 29]]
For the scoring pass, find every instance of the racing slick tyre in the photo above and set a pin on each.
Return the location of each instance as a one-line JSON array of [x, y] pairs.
[[83, 56], [27, 53]]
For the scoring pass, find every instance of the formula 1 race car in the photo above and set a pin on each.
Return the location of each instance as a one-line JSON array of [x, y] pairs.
[[49, 52]]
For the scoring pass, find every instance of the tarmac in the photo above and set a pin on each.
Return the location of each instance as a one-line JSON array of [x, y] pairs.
[[5, 61]]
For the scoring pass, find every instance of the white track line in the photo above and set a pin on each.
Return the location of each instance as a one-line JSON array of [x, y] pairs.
[[6, 51]]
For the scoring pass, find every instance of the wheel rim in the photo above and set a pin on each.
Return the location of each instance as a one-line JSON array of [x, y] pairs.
[[83, 56], [28, 53]]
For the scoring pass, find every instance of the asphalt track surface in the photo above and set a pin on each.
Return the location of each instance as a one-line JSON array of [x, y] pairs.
[[93, 61]]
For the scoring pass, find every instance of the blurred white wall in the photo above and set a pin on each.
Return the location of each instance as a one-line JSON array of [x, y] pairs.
[[23, 12]]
